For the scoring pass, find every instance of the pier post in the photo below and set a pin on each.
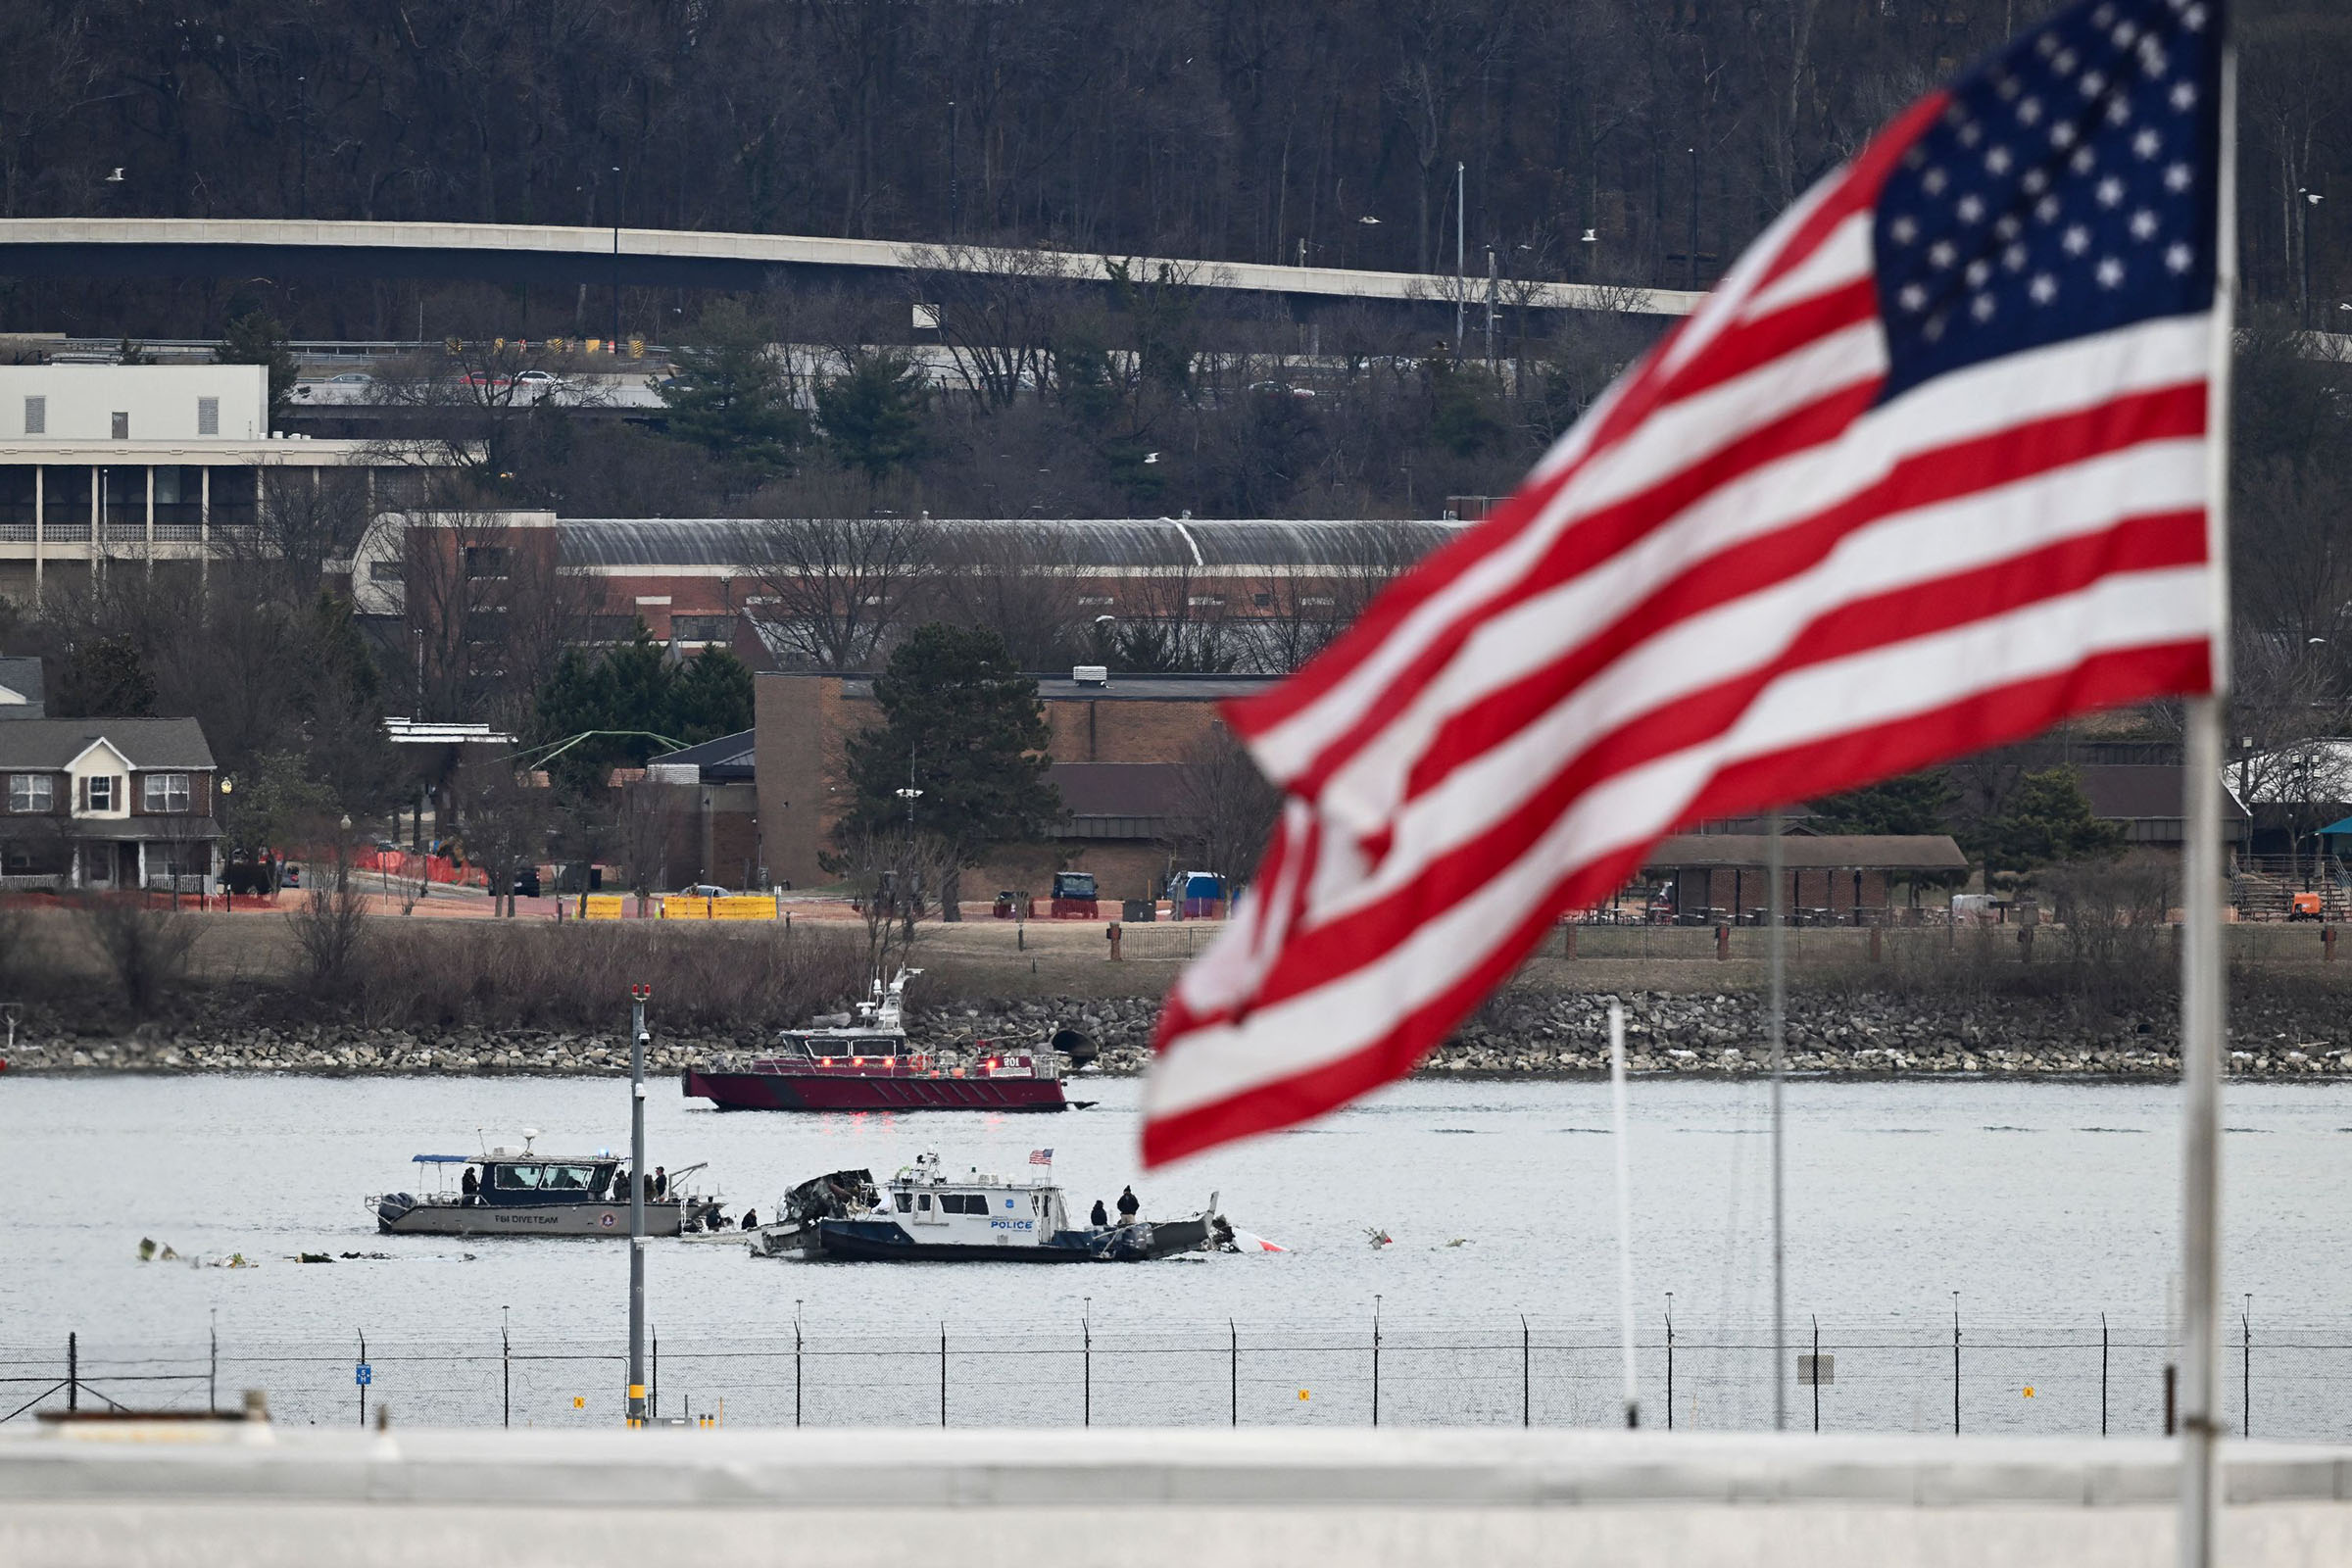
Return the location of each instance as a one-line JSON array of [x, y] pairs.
[[1670, 1360], [73, 1371], [943, 1374], [2245, 1394], [506, 1372], [363, 1385], [212, 1376], [795, 1362], [2102, 1374], [1376, 1361], [1817, 1356], [1086, 1329], [1527, 1374], [1233, 1370], [1955, 1363]]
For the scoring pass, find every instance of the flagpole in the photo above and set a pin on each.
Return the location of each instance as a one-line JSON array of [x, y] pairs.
[[2202, 1002], [1625, 1213], [1776, 1035]]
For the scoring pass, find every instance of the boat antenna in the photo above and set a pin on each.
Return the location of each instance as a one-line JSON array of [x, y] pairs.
[[529, 1134]]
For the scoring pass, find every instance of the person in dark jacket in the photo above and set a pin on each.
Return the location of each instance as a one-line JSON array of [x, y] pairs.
[[660, 1182], [1102, 1216], [1128, 1205], [471, 1185]]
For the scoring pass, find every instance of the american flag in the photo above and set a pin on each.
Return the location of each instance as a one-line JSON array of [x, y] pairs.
[[1926, 473], [1041, 1157]]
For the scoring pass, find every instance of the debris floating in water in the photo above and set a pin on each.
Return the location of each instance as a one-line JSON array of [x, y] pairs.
[[1379, 1237], [151, 1252]]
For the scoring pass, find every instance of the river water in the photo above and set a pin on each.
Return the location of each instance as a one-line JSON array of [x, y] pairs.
[[2044, 1205]]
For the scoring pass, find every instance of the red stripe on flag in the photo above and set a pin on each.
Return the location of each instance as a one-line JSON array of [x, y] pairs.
[[1985, 720]]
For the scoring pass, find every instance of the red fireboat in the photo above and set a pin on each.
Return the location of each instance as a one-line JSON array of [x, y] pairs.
[[865, 1063]]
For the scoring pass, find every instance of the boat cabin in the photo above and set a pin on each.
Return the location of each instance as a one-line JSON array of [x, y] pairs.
[[975, 1208], [514, 1176]]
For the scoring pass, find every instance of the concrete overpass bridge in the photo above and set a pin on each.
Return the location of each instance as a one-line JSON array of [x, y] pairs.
[[552, 254]]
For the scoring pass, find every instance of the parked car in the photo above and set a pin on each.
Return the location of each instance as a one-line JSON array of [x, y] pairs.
[[705, 890], [527, 882], [537, 379], [351, 378]]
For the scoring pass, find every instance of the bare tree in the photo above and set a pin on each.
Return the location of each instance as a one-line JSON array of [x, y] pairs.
[[503, 818], [330, 927], [1226, 807], [645, 816], [147, 950], [829, 591], [997, 312], [1015, 581], [895, 879]]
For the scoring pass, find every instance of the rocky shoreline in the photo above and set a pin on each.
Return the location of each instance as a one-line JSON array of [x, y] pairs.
[[1519, 1034]]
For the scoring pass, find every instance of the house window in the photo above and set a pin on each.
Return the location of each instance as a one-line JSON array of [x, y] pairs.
[[36, 415], [31, 792], [165, 792], [98, 794], [382, 570], [208, 415], [703, 628], [121, 426], [485, 561]]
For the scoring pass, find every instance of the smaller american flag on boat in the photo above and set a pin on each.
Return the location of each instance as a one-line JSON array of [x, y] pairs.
[[1041, 1157]]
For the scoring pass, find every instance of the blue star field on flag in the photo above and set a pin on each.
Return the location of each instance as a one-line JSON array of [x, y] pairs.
[[2065, 189]]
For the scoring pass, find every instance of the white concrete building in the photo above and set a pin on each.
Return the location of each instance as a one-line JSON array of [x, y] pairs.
[[148, 461]]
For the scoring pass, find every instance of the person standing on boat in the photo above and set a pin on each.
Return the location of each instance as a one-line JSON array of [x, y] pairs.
[[1128, 1205], [471, 1185], [1101, 1218], [660, 1183]]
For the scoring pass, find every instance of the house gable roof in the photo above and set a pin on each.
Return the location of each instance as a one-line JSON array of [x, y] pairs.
[[54, 744]]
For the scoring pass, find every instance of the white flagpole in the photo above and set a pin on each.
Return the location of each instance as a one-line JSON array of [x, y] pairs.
[[1624, 1213], [2202, 1005], [1776, 1031]]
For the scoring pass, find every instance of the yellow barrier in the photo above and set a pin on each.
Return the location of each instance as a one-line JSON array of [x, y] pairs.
[[599, 907], [747, 907], [681, 907]]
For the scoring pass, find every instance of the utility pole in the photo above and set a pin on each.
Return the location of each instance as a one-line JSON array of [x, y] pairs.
[[955, 178], [1490, 282], [637, 1043]]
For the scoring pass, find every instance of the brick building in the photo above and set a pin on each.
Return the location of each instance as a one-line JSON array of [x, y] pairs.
[[1118, 743]]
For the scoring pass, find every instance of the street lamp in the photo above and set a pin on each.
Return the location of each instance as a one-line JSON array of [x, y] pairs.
[[2311, 199], [615, 259]]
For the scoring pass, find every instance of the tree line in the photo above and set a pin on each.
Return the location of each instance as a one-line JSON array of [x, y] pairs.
[[1338, 133]]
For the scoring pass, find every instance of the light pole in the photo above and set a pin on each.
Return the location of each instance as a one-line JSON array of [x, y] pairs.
[[638, 1039], [911, 794], [1690, 271], [615, 259], [343, 854], [2311, 199], [1460, 230]]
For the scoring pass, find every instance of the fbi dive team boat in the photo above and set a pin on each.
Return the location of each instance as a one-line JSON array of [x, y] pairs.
[[521, 1192]]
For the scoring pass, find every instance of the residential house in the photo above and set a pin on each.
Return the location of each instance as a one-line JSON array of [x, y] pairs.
[[108, 802]]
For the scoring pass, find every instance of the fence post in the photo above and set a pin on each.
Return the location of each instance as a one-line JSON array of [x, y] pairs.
[[1670, 1360], [1234, 1370], [1086, 1327], [795, 1362], [1568, 939], [1376, 1361], [1527, 1376], [506, 1372], [362, 1386], [212, 1376], [1955, 1363], [2245, 1395], [2102, 1374], [73, 1371], [943, 1374]]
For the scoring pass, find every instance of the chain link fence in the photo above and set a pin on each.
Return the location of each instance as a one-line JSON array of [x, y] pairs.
[[2014, 1375]]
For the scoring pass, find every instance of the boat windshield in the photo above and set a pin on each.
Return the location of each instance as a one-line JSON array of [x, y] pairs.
[[846, 1046], [551, 1178]]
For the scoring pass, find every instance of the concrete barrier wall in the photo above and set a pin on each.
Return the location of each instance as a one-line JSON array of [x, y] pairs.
[[232, 1494]]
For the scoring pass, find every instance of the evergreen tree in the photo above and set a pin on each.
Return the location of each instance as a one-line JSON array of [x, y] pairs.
[[875, 414], [732, 396], [256, 338], [1916, 802], [712, 698], [959, 714], [104, 678], [2049, 820]]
